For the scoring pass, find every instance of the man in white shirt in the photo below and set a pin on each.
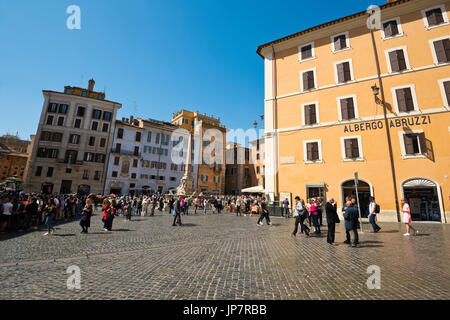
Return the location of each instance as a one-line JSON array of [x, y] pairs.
[[300, 216], [373, 214], [6, 214]]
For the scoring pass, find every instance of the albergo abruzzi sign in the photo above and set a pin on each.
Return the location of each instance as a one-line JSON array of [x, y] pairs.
[[379, 124]]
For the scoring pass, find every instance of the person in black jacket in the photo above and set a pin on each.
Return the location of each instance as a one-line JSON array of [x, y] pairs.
[[264, 213], [351, 222], [177, 208], [332, 219]]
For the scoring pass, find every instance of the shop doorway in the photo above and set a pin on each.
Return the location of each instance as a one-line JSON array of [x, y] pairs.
[[66, 187], [47, 188], [348, 189], [116, 191], [83, 190], [315, 192], [423, 198]]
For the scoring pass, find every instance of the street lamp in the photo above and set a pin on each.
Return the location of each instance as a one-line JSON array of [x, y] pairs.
[[375, 90], [255, 124]]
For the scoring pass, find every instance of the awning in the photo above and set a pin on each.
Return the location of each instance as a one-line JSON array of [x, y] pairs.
[[257, 189]]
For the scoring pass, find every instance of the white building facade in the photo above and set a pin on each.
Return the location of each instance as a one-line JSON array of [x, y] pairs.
[[141, 158]]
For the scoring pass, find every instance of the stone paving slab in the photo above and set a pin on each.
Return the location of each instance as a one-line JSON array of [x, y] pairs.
[[222, 257]]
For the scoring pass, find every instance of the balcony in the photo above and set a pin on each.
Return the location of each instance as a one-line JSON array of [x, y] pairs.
[[66, 161], [126, 152]]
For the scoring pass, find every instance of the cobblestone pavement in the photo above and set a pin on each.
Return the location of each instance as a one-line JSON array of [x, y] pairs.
[[222, 257]]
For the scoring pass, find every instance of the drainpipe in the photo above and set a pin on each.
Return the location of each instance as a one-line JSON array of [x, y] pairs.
[[386, 125], [275, 117]]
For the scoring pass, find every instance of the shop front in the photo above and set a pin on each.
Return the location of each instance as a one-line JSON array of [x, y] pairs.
[[47, 188], [83, 189], [424, 198]]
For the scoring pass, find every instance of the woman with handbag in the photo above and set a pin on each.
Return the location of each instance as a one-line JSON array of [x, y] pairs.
[[110, 215], [49, 214], [85, 221], [106, 208]]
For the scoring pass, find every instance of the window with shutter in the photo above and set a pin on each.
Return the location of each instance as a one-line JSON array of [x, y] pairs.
[[348, 148], [312, 151], [340, 42], [447, 91], [347, 109], [408, 99], [341, 72], [308, 80], [306, 52], [397, 60], [405, 100], [390, 28], [310, 114], [355, 148], [344, 109], [422, 142], [351, 148], [434, 17], [350, 109], [411, 144], [442, 49]]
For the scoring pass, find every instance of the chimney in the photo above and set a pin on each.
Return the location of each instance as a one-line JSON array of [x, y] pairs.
[[91, 85], [123, 119], [131, 119]]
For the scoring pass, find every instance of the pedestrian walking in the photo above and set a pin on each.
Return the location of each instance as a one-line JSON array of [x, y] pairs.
[[111, 213], [300, 213], [374, 209], [85, 221], [407, 218], [285, 210], [129, 210], [264, 213], [332, 219], [177, 212], [205, 206], [49, 214], [315, 217]]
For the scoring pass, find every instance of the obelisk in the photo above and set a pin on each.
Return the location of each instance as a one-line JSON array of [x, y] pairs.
[[186, 186]]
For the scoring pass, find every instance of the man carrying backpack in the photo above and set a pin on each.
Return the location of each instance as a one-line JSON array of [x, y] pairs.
[[374, 209]]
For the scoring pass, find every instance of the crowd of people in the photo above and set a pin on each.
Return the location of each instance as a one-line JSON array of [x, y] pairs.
[[20, 212]]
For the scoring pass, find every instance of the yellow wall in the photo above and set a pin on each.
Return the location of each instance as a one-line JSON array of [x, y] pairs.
[[375, 168]]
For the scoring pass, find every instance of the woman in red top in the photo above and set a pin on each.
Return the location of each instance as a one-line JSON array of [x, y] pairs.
[[106, 210]]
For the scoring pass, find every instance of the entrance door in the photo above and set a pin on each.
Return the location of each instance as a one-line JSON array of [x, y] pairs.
[[424, 204], [116, 191], [160, 189], [349, 190], [66, 186]]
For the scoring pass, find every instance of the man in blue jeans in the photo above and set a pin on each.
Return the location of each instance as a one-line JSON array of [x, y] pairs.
[[285, 208], [373, 208]]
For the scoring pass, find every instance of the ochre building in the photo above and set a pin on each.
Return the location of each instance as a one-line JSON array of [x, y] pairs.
[[210, 176], [324, 110]]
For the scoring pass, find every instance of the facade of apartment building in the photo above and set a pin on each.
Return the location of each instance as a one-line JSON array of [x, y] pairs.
[[208, 134], [141, 158], [239, 172], [72, 142], [257, 155], [324, 117], [12, 163], [15, 143]]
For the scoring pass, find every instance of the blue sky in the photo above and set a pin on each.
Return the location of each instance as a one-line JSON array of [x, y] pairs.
[[155, 56]]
